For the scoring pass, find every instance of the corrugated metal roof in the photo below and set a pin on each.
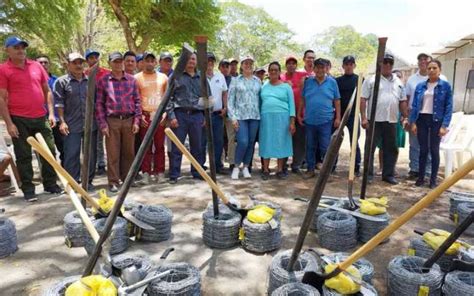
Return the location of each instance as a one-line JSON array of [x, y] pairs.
[[454, 45]]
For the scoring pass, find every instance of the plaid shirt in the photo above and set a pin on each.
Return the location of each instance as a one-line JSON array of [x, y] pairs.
[[117, 97]]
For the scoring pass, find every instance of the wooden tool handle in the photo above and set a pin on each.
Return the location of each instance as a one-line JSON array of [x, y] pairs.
[[43, 148], [355, 129], [416, 208], [46, 154], [196, 165]]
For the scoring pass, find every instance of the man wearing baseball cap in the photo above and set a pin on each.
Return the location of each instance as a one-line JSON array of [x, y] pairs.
[[23, 92], [234, 67], [293, 78], [166, 63], [119, 113], [390, 102], [70, 96], [152, 86]]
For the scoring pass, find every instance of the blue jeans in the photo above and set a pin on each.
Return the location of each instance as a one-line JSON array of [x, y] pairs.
[[427, 133], [218, 137], [317, 137], [72, 154], [414, 154], [190, 124], [246, 136]]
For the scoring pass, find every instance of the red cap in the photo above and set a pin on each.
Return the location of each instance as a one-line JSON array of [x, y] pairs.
[[289, 58]]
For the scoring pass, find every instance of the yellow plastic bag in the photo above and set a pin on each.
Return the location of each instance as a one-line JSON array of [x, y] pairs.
[[341, 282], [105, 203], [374, 206], [260, 214], [93, 285], [435, 237]]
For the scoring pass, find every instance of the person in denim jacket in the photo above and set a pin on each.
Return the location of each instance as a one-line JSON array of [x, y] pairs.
[[430, 117]]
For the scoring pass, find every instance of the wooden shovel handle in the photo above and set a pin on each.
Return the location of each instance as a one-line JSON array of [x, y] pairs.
[[196, 165], [41, 146], [355, 129], [415, 209]]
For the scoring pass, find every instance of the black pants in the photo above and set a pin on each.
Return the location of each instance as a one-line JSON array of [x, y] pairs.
[[385, 132], [59, 142], [429, 139]]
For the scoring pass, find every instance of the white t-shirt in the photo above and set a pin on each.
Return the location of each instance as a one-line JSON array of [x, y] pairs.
[[413, 81], [391, 92], [217, 85], [428, 96]]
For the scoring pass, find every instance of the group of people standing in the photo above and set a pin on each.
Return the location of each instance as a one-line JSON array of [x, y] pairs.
[[290, 114]]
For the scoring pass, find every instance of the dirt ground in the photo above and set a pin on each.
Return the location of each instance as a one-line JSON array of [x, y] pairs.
[[43, 258]]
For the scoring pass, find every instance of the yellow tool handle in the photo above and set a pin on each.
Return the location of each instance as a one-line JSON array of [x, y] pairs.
[[196, 165], [415, 209], [355, 129], [46, 154], [42, 147]]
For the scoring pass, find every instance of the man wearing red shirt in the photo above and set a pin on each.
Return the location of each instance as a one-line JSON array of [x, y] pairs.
[[23, 92], [294, 78]]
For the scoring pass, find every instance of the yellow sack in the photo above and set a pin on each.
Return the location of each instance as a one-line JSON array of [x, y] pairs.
[[260, 214], [341, 282], [93, 285], [373, 206], [435, 237], [105, 203]]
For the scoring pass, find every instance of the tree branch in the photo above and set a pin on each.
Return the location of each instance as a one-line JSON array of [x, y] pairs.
[[124, 22]]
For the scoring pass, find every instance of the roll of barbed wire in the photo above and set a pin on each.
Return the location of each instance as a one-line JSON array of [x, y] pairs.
[[467, 255], [464, 209], [8, 238], [321, 210], [159, 217], [406, 277], [418, 247], [59, 288], [276, 207], [455, 198], [296, 289], [279, 275], [221, 232], [337, 231], [365, 267], [118, 238], [142, 263], [368, 229], [185, 280], [459, 283], [75, 232], [330, 292]]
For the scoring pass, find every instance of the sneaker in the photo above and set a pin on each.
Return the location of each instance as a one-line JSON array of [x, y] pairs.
[[265, 176], [296, 171], [419, 182], [145, 179], [319, 166], [159, 177], [101, 170], [309, 174], [173, 180], [90, 187], [390, 180], [30, 196], [281, 175], [412, 175], [246, 173], [54, 189], [433, 184], [235, 173], [113, 188]]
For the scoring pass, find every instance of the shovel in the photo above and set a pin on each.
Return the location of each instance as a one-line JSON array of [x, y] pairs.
[[317, 280]]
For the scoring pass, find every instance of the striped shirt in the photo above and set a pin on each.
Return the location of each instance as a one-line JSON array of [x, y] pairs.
[[117, 97]]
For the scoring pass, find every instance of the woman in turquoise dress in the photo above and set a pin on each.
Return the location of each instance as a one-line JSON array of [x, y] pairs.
[[277, 121]]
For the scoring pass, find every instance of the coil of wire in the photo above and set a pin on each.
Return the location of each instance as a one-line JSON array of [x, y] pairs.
[[8, 238], [159, 217], [455, 198], [321, 210], [365, 267], [279, 274], [337, 231], [295, 289], [75, 232], [184, 281], [118, 238], [368, 229], [464, 209], [330, 292], [406, 277], [467, 255], [142, 263], [261, 238], [420, 248], [458, 283], [59, 288], [221, 232]]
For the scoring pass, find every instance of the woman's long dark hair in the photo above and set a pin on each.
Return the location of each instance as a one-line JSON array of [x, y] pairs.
[[277, 64]]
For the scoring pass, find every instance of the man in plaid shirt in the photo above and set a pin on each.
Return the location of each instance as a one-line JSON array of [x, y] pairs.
[[118, 113]]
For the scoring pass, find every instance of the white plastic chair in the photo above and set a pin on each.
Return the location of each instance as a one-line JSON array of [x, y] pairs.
[[13, 179]]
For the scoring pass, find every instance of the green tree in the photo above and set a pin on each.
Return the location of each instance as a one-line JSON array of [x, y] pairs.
[[163, 23], [249, 30]]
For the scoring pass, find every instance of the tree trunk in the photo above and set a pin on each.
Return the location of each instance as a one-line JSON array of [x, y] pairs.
[[124, 22]]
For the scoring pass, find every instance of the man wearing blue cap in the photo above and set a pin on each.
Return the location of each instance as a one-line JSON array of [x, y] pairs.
[[25, 82]]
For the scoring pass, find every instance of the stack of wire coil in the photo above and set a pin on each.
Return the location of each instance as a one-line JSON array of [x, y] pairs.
[[464, 210], [221, 232], [321, 210], [459, 283], [296, 289], [160, 217], [118, 237], [75, 232], [407, 277], [279, 274], [8, 238], [185, 280], [418, 247], [368, 229], [337, 231]]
